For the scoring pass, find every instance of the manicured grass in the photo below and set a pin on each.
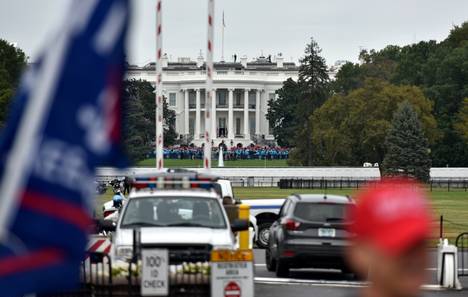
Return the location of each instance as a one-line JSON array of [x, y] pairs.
[[175, 163], [452, 205]]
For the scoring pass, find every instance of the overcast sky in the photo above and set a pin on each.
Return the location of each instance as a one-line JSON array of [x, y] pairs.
[[341, 27]]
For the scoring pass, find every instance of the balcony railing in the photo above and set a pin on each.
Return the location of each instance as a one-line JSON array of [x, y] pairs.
[[238, 106]]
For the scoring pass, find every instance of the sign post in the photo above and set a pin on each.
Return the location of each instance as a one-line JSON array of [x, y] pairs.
[[159, 92], [209, 88], [155, 276], [232, 273]]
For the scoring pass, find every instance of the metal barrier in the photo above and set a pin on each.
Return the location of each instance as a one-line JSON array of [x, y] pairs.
[[95, 279], [321, 183], [189, 272], [462, 245], [449, 184]]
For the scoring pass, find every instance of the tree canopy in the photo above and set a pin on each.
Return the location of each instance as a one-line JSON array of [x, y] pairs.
[[351, 129], [289, 114], [439, 69], [407, 148], [139, 120], [282, 112], [12, 63]]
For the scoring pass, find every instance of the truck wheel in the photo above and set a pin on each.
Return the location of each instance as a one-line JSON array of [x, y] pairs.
[[263, 235], [270, 261], [282, 268]]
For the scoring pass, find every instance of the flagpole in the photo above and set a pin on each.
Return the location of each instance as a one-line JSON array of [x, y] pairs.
[[209, 86], [159, 92], [222, 40]]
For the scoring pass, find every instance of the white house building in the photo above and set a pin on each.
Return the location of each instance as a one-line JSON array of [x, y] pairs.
[[242, 91]]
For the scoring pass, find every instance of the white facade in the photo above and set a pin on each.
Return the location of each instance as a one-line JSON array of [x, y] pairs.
[[242, 92]]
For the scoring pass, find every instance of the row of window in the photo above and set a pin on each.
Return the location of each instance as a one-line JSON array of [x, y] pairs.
[[221, 99], [222, 129]]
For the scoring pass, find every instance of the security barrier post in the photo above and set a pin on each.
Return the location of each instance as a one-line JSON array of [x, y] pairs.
[[244, 238]]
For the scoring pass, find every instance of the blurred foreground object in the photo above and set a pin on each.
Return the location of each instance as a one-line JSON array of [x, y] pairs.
[[391, 224], [65, 121]]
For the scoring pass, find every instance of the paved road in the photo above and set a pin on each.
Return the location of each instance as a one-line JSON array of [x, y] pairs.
[[321, 291], [327, 283]]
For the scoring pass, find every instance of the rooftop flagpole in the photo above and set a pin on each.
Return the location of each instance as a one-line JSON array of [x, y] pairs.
[[209, 86], [159, 92], [222, 41]]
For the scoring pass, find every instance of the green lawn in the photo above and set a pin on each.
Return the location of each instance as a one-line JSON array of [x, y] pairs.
[[175, 163], [452, 205]]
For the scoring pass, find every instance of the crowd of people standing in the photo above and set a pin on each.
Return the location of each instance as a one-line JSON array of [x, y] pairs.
[[234, 153]]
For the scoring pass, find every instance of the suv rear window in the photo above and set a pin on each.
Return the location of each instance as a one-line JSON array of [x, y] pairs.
[[320, 212]]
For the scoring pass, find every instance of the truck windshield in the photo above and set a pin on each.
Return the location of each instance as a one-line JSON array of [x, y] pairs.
[[320, 212], [173, 212]]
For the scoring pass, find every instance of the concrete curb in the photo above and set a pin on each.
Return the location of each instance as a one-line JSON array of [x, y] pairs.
[[324, 283]]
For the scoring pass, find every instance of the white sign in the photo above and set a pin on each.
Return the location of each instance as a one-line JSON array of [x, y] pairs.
[[154, 279], [232, 279]]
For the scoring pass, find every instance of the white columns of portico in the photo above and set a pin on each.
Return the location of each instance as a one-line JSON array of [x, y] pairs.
[[257, 111], [231, 115], [214, 132], [186, 111], [246, 114], [197, 115]]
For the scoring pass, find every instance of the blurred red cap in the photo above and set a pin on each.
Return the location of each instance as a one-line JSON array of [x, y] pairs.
[[392, 215]]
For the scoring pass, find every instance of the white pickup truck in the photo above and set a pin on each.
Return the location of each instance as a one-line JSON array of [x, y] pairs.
[[265, 211]]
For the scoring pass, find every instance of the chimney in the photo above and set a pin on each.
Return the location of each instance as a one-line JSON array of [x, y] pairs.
[[200, 60], [164, 61], [243, 61], [279, 60]]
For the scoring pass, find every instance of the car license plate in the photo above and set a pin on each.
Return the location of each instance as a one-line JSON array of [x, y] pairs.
[[326, 232], [155, 267]]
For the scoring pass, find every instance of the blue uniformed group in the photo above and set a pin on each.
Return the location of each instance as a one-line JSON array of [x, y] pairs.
[[233, 153]]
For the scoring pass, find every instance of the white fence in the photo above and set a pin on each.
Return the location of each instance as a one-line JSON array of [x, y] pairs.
[[337, 177]]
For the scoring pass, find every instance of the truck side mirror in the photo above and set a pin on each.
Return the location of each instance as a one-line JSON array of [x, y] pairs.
[[239, 225]]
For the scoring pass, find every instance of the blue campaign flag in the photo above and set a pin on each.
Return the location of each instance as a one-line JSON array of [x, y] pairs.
[[65, 121]]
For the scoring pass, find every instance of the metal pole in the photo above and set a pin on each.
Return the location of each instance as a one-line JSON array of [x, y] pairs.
[[209, 86], [159, 91], [222, 42], [441, 227]]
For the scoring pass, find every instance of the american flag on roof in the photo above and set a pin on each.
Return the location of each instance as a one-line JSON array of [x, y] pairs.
[[65, 121]]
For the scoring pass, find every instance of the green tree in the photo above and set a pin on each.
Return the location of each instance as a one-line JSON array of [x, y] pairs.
[[170, 134], [407, 148], [282, 112], [140, 119], [447, 85], [457, 36], [411, 63], [380, 64], [12, 63], [439, 69], [348, 78], [461, 125], [314, 83], [351, 129]]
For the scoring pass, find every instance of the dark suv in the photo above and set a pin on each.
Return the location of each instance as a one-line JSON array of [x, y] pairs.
[[309, 233]]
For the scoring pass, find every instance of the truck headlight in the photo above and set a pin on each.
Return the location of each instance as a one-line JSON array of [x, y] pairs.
[[124, 252]]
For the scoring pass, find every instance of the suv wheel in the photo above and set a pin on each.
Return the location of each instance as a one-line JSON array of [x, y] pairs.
[[270, 261], [282, 268], [263, 235]]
